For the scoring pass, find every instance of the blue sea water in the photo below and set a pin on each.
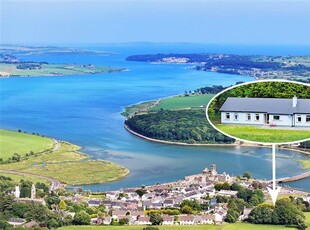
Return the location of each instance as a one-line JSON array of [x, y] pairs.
[[85, 110]]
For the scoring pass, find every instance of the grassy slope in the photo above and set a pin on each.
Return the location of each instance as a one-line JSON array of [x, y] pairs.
[[53, 70], [258, 134], [18, 178], [70, 167], [21, 143], [181, 102]]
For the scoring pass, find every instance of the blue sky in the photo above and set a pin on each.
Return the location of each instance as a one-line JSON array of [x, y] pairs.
[[216, 22]]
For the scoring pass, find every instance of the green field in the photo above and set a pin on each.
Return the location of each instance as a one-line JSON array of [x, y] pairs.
[[258, 134], [54, 70], [18, 178], [70, 167], [183, 102], [137, 108], [21, 143]]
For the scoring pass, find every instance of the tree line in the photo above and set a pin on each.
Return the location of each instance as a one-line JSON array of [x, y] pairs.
[[188, 126]]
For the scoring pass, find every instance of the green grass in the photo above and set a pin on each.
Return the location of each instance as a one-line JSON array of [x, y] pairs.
[[21, 143], [305, 163], [18, 178], [70, 167], [226, 226], [53, 70], [132, 227], [137, 108], [182, 102], [269, 135], [65, 164]]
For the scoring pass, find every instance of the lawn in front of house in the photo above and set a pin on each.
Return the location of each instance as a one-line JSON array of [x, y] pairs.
[[267, 135]]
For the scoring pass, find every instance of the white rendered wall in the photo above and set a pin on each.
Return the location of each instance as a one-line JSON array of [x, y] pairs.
[[285, 120], [303, 122], [243, 119]]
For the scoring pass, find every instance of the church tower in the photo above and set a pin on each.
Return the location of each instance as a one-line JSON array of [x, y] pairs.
[[33, 192], [17, 191]]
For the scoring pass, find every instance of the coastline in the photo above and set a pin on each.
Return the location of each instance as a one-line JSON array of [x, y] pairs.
[[222, 145], [58, 182], [66, 75], [172, 142]]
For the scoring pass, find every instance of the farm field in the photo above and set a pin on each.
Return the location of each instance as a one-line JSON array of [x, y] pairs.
[[21, 143], [183, 102], [54, 70]]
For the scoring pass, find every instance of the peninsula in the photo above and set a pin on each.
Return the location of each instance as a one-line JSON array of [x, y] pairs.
[[34, 156], [257, 66], [13, 65]]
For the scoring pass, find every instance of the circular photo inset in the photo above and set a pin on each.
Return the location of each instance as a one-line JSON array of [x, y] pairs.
[[266, 112]]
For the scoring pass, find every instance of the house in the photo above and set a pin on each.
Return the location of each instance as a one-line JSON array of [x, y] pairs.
[[266, 111], [187, 220], [246, 213], [168, 220], [143, 220], [135, 214], [107, 220], [117, 213], [228, 193], [207, 219], [16, 222]]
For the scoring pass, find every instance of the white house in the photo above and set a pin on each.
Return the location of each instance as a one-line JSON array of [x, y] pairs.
[[168, 220], [143, 220], [266, 111], [187, 220]]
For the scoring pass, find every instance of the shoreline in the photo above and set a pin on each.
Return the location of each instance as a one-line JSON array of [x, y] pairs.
[[222, 145], [57, 183], [67, 75], [172, 142]]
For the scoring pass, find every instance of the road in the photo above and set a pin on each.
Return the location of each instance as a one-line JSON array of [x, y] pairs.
[[55, 184]]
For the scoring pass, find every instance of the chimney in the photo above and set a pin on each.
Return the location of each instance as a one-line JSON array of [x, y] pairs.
[[295, 101]]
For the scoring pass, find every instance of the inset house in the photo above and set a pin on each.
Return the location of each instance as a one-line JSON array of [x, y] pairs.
[[266, 111]]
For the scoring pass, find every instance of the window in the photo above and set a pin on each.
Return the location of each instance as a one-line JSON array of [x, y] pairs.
[[276, 118], [298, 118], [248, 116], [308, 118], [227, 116], [257, 117], [236, 116]]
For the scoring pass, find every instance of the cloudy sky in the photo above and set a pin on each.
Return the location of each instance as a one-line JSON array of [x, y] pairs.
[[219, 22]]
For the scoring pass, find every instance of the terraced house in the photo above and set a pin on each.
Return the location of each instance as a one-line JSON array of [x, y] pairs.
[[266, 111]]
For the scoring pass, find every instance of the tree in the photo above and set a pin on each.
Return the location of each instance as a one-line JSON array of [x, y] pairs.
[[81, 218], [67, 220], [247, 175], [140, 192], [124, 221], [155, 218], [187, 210], [62, 205], [5, 225]]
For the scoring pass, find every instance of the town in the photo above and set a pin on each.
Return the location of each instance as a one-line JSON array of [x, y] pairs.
[[199, 199]]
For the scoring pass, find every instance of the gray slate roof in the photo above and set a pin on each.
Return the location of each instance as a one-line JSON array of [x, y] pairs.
[[265, 105]]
